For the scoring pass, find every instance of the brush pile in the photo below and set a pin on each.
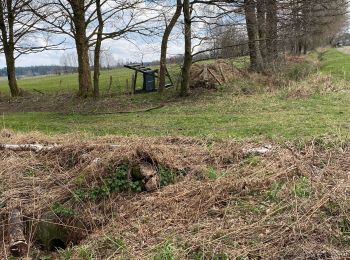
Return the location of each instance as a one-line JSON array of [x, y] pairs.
[[211, 75], [208, 199]]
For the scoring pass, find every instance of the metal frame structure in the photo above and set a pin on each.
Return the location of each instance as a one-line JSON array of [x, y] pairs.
[[149, 78]]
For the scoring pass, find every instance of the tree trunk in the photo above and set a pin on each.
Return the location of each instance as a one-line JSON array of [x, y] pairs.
[[253, 43], [7, 38], [82, 46], [85, 85], [272, 36], [164, 46], [306, 26], [18, 244], [186, 68], [11, 73], [26, 147], [261, 16], [305, 47], [97, 52], [97, 69]]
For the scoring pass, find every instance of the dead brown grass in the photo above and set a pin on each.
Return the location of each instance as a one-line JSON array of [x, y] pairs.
[[291, 203], [315, 84]]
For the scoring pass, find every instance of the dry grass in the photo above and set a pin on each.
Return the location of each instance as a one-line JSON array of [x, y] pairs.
[[290, 203], [315, 84]]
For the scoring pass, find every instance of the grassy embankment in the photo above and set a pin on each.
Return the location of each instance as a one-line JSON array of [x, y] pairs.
[[222, 114]]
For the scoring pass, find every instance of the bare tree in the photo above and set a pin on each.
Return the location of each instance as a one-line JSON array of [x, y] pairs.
[[97, 51], [164, 46], [89, 23], [271, 31], [186, 67], [71, 18], [134, 17], [252, 30], [262, 18], [309, 24], [18, 36]]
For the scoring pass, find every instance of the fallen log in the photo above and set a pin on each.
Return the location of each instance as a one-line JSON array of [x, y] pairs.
[[37, 147], [18, 243], [146, 169], [26, 147]]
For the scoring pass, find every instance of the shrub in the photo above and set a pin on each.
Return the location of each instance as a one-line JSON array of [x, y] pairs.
[[116, 181], [61, 210], [302, 70]]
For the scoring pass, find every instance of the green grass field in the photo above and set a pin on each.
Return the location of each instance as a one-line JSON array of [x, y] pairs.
[[67, 83], [336, 63], [221, 114], [264, 117]]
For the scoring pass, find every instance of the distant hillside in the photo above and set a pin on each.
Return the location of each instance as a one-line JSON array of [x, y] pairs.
[[38, 70], [56, 69]]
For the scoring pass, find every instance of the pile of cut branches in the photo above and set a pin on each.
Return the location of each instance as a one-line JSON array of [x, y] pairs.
[[211, 75]]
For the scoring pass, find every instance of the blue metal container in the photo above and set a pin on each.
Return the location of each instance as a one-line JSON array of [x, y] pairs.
[[149, 80]]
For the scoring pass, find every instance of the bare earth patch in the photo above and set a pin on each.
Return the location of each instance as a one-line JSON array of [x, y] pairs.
[[69, 103]]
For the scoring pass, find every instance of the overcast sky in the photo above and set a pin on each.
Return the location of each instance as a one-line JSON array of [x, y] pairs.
[[135, 50], [121, 50]]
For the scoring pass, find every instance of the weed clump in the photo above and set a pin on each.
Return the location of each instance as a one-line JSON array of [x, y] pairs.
[[116, 181], [302, 70], [62, 210], [302, 187]]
